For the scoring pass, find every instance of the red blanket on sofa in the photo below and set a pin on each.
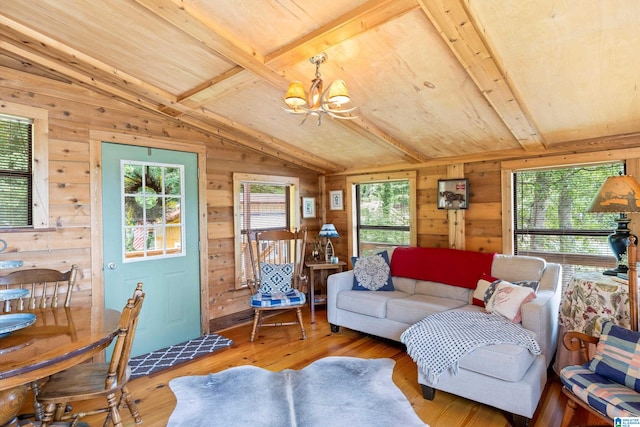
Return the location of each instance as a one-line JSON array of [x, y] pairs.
[[451, 266]]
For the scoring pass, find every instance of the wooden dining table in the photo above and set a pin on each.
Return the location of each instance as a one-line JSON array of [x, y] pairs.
[[58, 339]]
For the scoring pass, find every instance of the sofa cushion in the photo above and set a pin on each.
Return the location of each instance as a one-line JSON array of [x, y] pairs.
[[515, 268], [616, 355], [416, 307], [441, 290], [508, 362], [404, 284], [606, 396], [367, 303], [507, 298], [451, 266], [372, 273]]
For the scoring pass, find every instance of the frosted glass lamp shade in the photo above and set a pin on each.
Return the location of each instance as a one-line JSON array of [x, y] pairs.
[[295, 96], [338, 93]]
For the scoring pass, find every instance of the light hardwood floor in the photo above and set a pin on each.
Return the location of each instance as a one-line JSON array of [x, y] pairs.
[[281, 348]]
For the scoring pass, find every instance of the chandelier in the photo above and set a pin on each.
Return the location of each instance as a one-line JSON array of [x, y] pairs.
[[318, 102]]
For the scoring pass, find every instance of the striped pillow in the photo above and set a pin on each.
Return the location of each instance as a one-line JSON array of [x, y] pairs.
[[615, 356]]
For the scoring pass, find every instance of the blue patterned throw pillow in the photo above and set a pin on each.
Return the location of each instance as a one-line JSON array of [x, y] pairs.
[[372, 273], [275, 277]]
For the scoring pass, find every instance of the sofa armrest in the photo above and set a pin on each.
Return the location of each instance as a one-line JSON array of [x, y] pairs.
[[541, 317], [336, 283]]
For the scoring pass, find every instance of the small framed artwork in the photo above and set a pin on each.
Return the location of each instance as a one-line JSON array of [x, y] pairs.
[[453, 193], [308, 207], [335, 200]]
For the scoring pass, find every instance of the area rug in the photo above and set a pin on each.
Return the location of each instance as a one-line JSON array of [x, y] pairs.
[[334, 391], [168, 357]]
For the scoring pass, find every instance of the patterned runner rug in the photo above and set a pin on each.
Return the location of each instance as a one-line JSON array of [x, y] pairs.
[[150, 363]]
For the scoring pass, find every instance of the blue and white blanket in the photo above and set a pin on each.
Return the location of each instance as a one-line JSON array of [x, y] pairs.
[[438, 341]]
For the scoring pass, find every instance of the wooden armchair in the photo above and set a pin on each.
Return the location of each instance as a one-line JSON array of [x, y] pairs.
[[601, 391], [277, 255]]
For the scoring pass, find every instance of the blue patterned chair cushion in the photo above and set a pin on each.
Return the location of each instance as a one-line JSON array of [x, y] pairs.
[[275, 278], [278, 299], [616, 355], [372, 273], [601, 393]]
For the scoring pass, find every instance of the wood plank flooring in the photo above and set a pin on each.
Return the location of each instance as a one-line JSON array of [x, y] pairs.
[[281, 348]]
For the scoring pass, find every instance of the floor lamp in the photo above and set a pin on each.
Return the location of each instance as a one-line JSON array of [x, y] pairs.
[[618, 194]]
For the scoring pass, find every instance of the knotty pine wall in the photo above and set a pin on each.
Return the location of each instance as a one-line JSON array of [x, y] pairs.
[[482, 221], [74, 112]]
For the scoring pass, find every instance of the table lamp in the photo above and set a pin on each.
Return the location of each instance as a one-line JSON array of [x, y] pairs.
[[618, 194], [328, 231]]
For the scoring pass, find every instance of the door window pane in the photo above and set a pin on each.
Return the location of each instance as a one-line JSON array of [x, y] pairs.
[[153, 197]]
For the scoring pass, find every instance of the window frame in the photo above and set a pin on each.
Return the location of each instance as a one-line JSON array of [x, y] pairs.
[[40, 161], [352, 208], [294, 211], [628, 157]]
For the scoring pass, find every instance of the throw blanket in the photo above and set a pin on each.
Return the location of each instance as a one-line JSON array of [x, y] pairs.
[[438, 341]]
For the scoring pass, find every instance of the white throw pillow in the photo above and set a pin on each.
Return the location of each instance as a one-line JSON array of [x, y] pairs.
[[507, 300]]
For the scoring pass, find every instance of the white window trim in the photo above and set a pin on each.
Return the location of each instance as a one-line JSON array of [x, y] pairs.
[[354, 180], [294, 204], [40, 190]]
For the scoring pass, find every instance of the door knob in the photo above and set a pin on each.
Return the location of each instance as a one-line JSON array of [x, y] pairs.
[[112, 266]]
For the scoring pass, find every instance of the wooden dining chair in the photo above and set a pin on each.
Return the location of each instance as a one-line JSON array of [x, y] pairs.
[[47, 288], [277, 259], [43, 288], [88, 381]]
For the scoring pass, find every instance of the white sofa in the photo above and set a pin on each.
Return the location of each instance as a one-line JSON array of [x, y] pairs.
[[505, 376]]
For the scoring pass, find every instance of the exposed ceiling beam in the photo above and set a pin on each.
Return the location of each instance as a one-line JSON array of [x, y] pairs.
[[201, 28], [459, 31], [87, 70]]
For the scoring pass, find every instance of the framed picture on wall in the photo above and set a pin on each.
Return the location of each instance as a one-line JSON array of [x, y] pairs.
[[453, 193], [335, 200], [308, 207]]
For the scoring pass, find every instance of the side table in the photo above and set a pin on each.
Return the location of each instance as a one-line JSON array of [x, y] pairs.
[[314, 266]]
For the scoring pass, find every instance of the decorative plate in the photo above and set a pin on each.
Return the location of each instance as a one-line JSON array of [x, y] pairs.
[[12, 322], [7, 294]]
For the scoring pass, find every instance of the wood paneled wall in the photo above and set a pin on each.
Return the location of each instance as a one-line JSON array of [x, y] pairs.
[[73, 113]]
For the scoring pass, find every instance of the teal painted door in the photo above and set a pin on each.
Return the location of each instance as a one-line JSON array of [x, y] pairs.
[[150, 230]]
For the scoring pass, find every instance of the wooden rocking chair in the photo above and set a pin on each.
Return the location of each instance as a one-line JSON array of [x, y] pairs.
[[577, 341]]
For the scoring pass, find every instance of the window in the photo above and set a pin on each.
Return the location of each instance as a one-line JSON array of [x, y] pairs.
[[551, 218], [261, 203], [16, 174], [152, 200], [383, 211], [24, 167]]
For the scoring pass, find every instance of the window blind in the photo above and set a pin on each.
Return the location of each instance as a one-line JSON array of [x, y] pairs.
[[551, 217], [16, 173]]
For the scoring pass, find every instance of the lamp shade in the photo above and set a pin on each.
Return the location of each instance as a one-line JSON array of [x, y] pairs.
[[295, 96], [338, 93], [328, 230], [617, 194]]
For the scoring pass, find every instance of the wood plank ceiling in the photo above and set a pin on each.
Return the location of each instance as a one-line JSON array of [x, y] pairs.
[[432, 79]]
